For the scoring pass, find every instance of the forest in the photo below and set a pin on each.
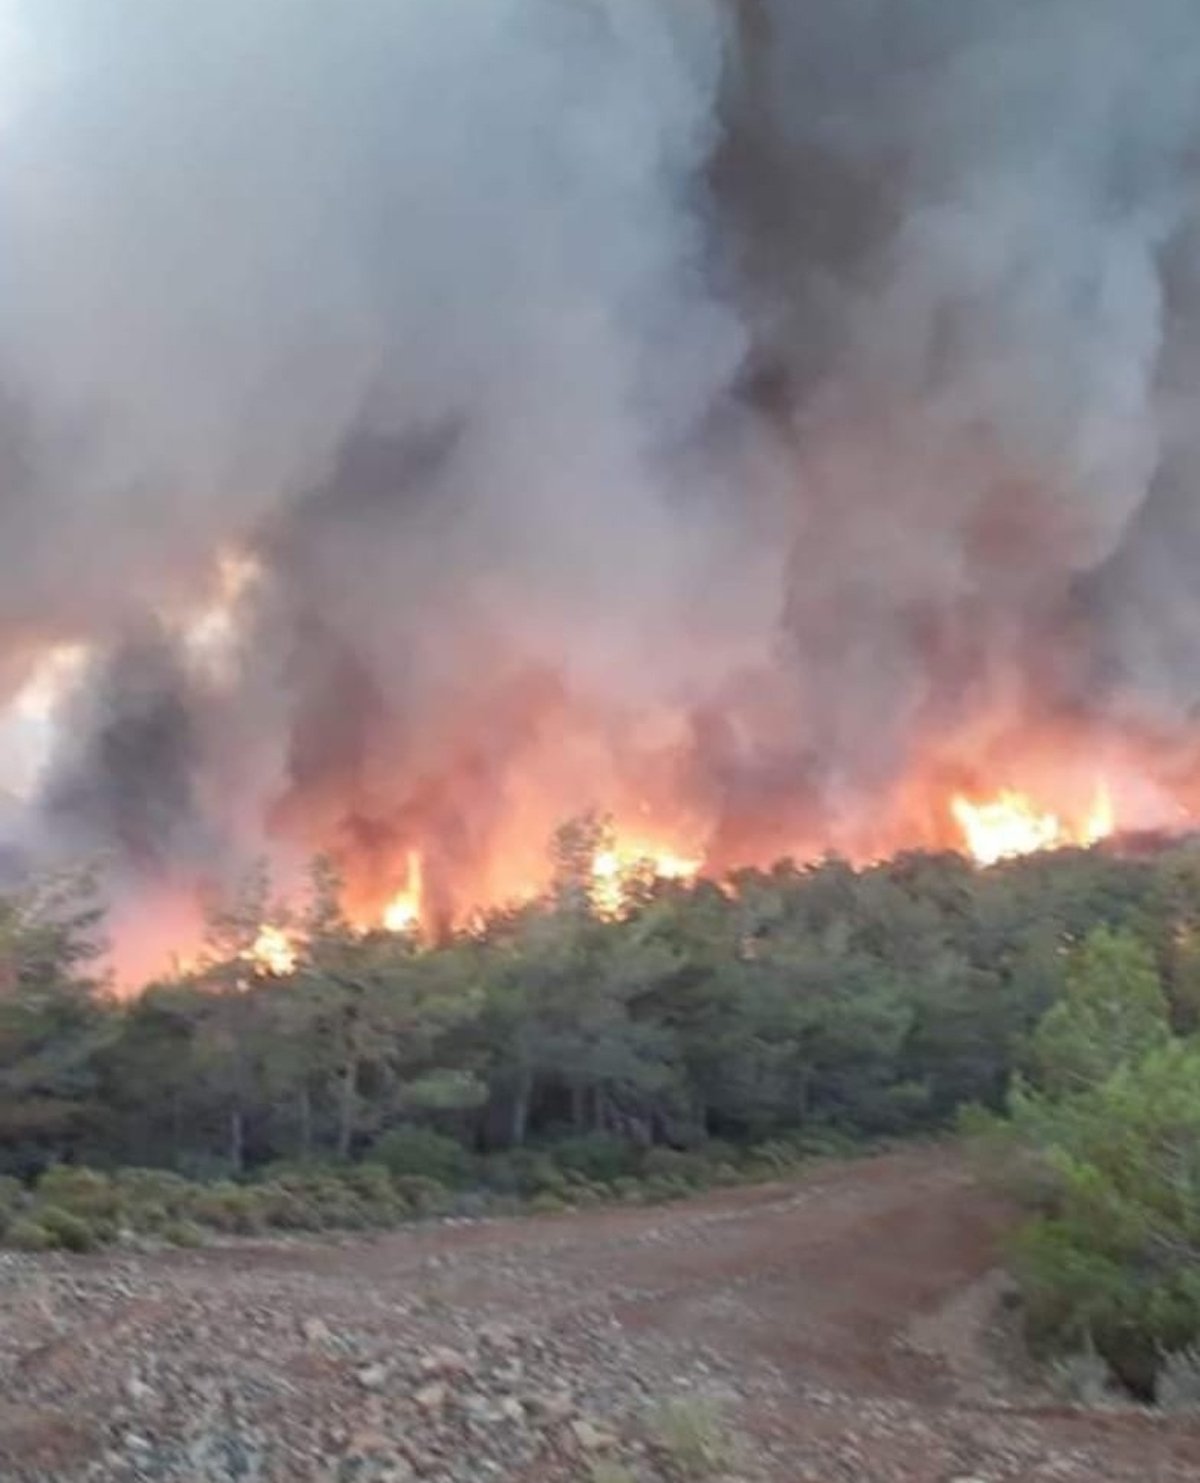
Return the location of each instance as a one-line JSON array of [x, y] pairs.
[[560, 1053]]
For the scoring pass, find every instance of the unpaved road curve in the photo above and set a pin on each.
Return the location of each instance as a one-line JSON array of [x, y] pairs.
[[838, 1319]]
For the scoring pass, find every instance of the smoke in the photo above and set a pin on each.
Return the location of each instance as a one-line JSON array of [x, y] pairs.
[[729, 407]]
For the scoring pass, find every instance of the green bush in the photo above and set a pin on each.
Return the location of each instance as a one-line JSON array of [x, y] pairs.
[[629, 1191], [547, 1204], [27, 1234], [1178, 1389], [149, 1198], [692, 1438], [233, 1209], [152, 1186], [422, 1195], [371, 1181], [413, 1150], [1111, 1259], [522, 1171], [595, 1157], [82, 1192], [670, 1163], [660, 1191], [283, 1207], [778, 1155], [67, 1231], [183, 1233], [13, 1199]]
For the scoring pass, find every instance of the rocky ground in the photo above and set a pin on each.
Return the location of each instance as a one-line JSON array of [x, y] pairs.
[[833, 1329]]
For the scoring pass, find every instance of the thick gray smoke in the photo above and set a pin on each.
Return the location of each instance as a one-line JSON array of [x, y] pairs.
[[812, 380]]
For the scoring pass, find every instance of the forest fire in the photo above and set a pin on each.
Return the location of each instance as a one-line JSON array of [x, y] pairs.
[[403, 912], [767, 530], [273, 953], [612, 868], [1012, 824], [986, 828]]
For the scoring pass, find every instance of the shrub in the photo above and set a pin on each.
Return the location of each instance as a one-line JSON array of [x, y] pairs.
[[1177, 1389], [655, 1191], [184, 1233], [522, 1171], [231, 1208], [670, 1163], [13, 1199], [691, 1437], [26, 1234], [413, 1150], [606, 1471], [372, 1181], [285, 1207], [588, 1196], [596, 1157], [422, 1195], [628, 1191], [82, 1192], [547, 1204], [1081, 1379], [65, 1230], [1112, 1255], [148, 1196], [777, 1155]]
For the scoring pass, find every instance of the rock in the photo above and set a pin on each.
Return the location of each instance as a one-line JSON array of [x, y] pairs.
[[374, 1467], [551, 1406], [445, 1362], [512, 1409], [591, 1438], [138, 1391], [397, 1470], [479, 1408], [431, 1398], [371, 1377], [509, 1374], [498, 1336], [315, 1330]]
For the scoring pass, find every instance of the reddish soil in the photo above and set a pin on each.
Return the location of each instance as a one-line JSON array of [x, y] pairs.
[[843, 1319]]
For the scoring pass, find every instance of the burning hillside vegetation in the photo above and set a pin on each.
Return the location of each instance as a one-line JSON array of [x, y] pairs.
[[765, 425]]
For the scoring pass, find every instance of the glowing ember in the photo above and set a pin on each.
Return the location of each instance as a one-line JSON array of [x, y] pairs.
[[403, 911], [1011, 824], [272, 953]]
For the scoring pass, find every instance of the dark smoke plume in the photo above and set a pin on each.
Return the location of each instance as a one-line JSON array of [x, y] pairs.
[[743, 402]]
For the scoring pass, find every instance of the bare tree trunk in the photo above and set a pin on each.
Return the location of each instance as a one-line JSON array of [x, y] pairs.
[[347, 1107], [176, 1126], [237, 1140], [304, 1111], [520, 1111]]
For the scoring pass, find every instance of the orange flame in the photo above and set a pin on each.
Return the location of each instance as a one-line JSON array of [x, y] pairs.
[[611, 868], [403, 912], [1012, 824], [273, 953]]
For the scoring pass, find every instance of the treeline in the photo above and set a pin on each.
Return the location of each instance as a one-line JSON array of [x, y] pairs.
[[807, 999]]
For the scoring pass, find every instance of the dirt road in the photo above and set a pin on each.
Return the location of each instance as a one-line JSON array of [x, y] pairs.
[[834, 1325]]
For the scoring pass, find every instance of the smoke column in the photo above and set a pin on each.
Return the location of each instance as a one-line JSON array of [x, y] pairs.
[[418, 422]]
